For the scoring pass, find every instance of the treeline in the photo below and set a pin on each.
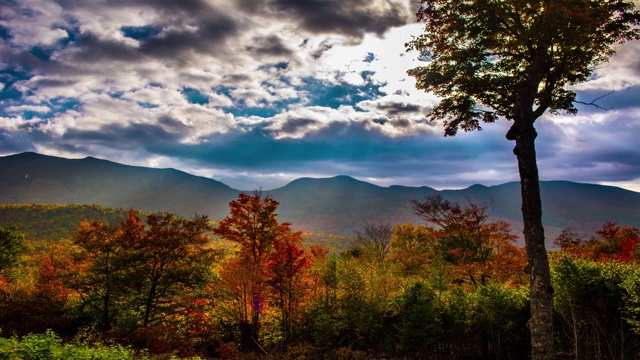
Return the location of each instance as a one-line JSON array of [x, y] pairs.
[[52, 222], [44, 223], [455, 287]]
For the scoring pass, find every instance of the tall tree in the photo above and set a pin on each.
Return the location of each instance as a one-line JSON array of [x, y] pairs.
[[253, 224], [99, 282], [174, 260], [513, 59], [287, 268]]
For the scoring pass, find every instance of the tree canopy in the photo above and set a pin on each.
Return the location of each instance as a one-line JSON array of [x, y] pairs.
[[12, 246], [493, 58]]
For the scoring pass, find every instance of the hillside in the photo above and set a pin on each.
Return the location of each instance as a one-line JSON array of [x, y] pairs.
[[338, 205], [30, 178], [55, 222], [44, 223]]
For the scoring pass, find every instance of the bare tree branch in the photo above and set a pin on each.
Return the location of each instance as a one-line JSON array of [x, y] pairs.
[[593, 102]]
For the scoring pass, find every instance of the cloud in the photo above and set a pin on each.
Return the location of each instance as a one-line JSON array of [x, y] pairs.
[[353, 18], [620, 72], [585, 148], [259, 92], [271, 45]]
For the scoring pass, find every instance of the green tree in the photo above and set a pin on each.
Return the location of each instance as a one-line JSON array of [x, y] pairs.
[[12, 245], [99, 279], [418, 319], [513, 59], [591, 302], [174, 261], [140, 273]]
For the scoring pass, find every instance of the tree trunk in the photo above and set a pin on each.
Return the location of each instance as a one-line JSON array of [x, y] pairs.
[[151, 296], [541, 323]]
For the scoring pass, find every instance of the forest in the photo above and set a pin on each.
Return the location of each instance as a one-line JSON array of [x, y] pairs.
[[159, 286]]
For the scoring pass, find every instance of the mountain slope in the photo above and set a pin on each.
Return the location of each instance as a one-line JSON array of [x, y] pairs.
[[32, 178], [338, 205]]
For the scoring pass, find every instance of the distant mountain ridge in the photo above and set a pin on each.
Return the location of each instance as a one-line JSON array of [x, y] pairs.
[[338, 205]]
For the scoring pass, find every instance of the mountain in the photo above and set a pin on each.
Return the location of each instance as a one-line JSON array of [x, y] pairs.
[[338, 205], [33, 178]]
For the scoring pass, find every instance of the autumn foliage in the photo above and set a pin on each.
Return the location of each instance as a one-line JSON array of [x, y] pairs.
[[453, 286]]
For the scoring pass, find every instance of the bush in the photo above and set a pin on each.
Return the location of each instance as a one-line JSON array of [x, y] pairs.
[[591, 299], [49, 346]]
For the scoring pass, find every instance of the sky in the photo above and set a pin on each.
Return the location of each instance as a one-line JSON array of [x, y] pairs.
[[257, 93]]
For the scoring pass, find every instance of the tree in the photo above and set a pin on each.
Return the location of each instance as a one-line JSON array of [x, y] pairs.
[[615, 242], [466, 237], [100, 280], [286, 269], [12, 246], [513, 59], [413, 247], [567, 239], [376, 238], [140, 272], [174, 260], [253, 224]]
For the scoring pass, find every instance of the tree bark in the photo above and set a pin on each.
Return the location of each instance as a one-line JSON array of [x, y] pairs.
[[541, 323]]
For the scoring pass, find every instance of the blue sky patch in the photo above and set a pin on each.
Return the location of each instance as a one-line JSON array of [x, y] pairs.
[[41, 52], [194, 96], [61, 104], [370, 57], [140, 33], [223, 90], [147, 105], [116, 94], [321, 93], [4, 33], [8, 77], [278, 66]]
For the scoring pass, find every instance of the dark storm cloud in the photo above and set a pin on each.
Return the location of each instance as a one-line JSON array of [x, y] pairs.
[[92, 48], [236, 78], [169, 7], [266, 152], [51, 83], [269, 45], [401, 123], [323, 48], [210, 32], [591, 151], [209, 27], [132, 136], [352, 18], [349, 148], [13, 143], [296, 125], [398, 108]]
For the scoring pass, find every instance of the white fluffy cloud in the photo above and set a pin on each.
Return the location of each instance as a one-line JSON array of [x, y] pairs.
[[238, 90]]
